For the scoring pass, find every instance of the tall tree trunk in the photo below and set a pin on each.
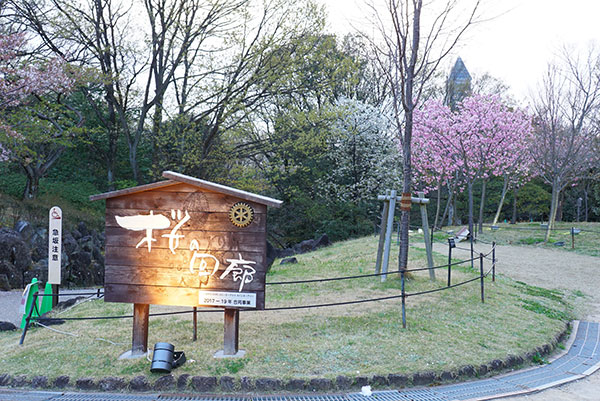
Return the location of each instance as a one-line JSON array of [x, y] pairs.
[[35, 172], [559, 206], [409, 106], [553, 210], [33, 182], [448, 204], [439, 201], [502, 197], [111, 163], [133, 163], [482, 204], [470, 189], [406, 189], [156, 130], [585, 202], [514, 213]]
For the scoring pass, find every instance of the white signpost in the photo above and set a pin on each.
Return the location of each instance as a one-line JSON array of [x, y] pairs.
[[54, 245]]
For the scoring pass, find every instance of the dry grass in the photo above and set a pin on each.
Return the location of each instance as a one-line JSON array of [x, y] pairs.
[[445, 330]]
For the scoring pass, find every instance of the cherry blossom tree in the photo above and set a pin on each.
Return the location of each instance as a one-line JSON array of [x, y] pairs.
[[433, 169], [480, 139], [21, 80], [36, 120], [492, 137]]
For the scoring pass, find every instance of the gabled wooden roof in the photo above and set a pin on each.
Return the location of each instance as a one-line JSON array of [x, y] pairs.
[[177, 178]]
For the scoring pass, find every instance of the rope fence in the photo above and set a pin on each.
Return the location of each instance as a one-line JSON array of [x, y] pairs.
[[540, 228], [573, 232], [31, 318]]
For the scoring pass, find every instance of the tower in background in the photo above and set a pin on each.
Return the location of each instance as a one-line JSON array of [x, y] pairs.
[[458, 85]]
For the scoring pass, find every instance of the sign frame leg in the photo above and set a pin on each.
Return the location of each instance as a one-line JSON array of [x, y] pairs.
[[231, 335], [139, 333], [54, 295]]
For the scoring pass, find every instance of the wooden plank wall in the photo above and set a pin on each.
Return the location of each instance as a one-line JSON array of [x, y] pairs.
[[135, 275]]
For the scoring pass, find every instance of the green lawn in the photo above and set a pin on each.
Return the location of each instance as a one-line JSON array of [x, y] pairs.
[[446, 330], [587, 242]]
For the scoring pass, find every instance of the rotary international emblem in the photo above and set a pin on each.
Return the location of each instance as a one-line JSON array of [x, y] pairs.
[[241, 214]]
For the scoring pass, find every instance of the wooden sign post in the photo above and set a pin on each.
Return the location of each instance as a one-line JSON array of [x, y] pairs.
[[54, 250], [387, 219], [185, 242]]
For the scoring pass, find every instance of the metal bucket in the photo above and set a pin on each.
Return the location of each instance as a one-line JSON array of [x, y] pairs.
[[162, 358]]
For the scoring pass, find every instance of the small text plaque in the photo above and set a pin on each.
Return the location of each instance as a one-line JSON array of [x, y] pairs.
[[227, 299]]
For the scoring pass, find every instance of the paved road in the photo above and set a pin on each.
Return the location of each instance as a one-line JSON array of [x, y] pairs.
[[11, 300]]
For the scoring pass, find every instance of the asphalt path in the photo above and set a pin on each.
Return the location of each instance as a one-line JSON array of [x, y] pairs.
[[10, 301]]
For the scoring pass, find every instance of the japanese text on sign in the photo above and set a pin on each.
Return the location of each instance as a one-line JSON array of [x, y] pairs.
[[206, 264], [54, 245], [239, 299]]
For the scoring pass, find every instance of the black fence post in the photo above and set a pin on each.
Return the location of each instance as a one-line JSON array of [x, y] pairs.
[[572, 237], [493, 260], [28, 318], [451, 244], [481, 276], [403, 301], [449, 259], [194, 323], [472, 252]]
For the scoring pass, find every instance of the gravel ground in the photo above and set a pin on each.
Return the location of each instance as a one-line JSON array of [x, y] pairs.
[[548, 268], [551, 268]]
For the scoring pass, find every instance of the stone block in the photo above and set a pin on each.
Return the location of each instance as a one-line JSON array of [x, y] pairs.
[[111, 383], [268, 384], [204, 383], [139, 383], [321, 385]]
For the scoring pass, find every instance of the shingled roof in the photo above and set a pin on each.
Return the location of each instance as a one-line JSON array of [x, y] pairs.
[[177, 178]]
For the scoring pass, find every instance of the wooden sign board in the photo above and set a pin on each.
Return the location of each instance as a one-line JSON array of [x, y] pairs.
[[185, 242], [54, 245], [182, 245]]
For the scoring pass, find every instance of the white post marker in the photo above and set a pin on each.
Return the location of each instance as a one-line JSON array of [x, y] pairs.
[[54, 245], [22, 307]]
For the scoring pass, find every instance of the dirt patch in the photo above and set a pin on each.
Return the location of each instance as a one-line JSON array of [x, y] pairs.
[[551, 269], [548, 268]]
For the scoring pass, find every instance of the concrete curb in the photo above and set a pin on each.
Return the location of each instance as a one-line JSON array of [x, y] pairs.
[[247, 385]]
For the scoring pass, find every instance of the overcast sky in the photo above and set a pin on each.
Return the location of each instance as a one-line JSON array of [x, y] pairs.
[[515, 46]]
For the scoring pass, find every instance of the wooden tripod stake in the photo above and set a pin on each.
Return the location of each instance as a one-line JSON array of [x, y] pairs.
[[385, 236]]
